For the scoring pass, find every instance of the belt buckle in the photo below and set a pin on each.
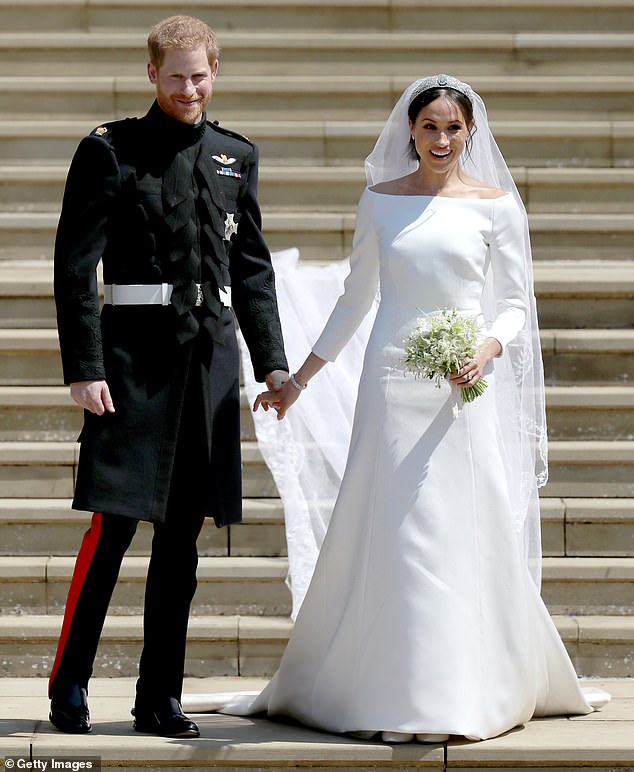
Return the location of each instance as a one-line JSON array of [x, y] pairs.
[[199, 295]]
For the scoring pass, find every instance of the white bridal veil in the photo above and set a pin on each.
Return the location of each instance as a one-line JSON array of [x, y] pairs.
[[306, 451]]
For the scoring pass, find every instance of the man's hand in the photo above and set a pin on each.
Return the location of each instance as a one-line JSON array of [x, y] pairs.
[[277, 395], [276, 379], [93, 396], [279, 400]]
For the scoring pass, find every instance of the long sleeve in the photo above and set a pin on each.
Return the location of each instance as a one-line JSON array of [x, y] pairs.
[[253, 284], [93, 183], [360, 286], [507, 246]]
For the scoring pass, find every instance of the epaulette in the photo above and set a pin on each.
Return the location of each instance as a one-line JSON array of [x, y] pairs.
[[101, 131], [236, 135], [107, 130]]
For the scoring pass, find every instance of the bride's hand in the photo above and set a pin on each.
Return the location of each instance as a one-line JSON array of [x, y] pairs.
[[279, 400], [471, 371]]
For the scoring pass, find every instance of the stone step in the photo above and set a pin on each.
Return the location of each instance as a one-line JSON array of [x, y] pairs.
[[587, 357], [596, 143], [44, 526], [601, 741], [47, 414], [257, 15], [582, 236], [576, 190], [309, 98], [38, 414], [217, 645], [47, 469], [251, 586], [30, 357], [571, 527], [601, 527], [544, 190], [55, 142], [328, 235], [590, 412], [31, 187], [26, 295], [345, 52], [589, 586], [587, 527], [578, 468], [592, 293], [255, 586], [252, 646], [553, 236]]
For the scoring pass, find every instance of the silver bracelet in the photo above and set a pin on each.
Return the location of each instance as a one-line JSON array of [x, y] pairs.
[[298, 386]]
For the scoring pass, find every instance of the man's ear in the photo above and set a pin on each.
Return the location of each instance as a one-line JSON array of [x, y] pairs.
[[214, 69], [151, 72]]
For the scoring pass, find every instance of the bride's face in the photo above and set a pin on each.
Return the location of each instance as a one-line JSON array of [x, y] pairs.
[[440, 133]]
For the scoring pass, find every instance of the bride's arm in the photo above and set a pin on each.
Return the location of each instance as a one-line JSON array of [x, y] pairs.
[[508, 265], [360, 288]]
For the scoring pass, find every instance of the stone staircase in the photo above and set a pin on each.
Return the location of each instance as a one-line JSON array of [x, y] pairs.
[[311, 83]]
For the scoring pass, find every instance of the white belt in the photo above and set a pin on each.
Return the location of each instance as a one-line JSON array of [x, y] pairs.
[[151, 294]]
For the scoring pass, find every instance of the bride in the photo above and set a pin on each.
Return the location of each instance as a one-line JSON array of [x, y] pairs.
[[423, 618]]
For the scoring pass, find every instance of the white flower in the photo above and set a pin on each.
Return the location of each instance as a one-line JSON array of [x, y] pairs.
[[440, 344]]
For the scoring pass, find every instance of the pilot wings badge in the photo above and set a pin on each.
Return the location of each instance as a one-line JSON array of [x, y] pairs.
[[225, 166], [223, 159]]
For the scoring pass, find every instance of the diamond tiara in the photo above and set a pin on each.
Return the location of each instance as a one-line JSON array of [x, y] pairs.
[[442, 81]]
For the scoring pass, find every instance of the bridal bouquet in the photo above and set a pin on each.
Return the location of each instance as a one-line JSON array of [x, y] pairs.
[[438, 346]]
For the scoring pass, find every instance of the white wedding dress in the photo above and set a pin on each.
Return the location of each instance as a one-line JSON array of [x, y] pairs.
[[422, 615]]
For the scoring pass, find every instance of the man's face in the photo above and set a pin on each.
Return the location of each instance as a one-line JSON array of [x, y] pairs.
[[183, 83]]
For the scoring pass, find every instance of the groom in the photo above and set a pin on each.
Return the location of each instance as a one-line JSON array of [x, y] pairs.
[[168, 204]]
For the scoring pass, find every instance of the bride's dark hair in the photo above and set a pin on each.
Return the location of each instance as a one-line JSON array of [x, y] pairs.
[[430, 95]]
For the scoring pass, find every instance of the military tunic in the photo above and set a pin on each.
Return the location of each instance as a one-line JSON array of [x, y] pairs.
[[160, 201]]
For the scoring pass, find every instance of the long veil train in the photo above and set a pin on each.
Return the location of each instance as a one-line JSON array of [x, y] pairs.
[[306, 452]]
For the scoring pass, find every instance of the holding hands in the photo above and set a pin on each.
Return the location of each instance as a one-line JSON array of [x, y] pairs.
[[279, 400], [282, 394]]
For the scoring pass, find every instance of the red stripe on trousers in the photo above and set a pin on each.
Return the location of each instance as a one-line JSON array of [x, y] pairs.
[[82, 564]]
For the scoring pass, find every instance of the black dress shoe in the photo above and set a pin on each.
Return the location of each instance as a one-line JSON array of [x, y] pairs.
[[69, 709], [163, 717]]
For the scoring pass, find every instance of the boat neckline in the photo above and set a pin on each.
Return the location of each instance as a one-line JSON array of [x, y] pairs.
[[430, 195]]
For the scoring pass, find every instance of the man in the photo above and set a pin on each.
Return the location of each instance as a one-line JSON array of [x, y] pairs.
[[168, 203]]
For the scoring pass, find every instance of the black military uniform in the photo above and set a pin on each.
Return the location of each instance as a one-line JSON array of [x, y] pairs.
[[171, 211]]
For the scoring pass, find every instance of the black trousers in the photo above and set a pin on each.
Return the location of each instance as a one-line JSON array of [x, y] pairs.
[[171, 578]]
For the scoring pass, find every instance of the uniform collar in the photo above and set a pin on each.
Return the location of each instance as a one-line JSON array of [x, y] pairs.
[[172, 132]]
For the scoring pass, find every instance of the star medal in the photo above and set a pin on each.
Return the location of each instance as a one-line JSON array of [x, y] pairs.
[[231, 226]]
